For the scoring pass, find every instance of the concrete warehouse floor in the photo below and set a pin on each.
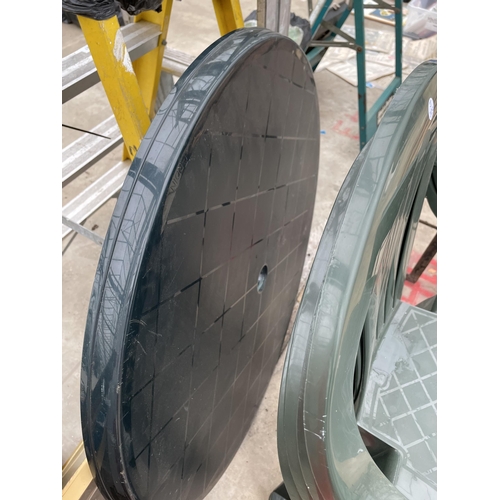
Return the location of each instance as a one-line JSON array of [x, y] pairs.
[[254, 472]]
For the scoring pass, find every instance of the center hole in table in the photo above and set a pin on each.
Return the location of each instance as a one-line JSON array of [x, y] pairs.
[[261, 280]]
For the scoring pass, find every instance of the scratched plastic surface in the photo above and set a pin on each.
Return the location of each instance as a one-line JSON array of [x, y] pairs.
[[200, 269], [351, 298]]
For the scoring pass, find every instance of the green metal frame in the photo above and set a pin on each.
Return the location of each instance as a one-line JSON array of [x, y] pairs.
[[368, 118]]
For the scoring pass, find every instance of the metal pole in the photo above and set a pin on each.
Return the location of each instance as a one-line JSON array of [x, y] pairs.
[[284, 19], [399, 38], [274, 15], [261, 13], [423, 262], [360, 60]]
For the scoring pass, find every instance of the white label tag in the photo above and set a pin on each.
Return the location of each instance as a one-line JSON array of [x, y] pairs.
[[431, 24], [431, 108]]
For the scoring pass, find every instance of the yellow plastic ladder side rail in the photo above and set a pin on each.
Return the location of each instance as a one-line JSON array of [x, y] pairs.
[[229, 16], [148, 67], [78, 483], [114, 66]]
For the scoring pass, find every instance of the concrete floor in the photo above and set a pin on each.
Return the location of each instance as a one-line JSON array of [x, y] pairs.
[[254, 473]]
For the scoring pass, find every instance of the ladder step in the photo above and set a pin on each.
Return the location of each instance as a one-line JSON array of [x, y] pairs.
[[88, 149], [78, 69], [98, 193], [83, 231], [175, 61]]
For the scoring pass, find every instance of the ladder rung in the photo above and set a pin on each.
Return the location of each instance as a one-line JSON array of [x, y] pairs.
[[88, 149], [98, 193], [78, 69], [83, 231], [175, 61]]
